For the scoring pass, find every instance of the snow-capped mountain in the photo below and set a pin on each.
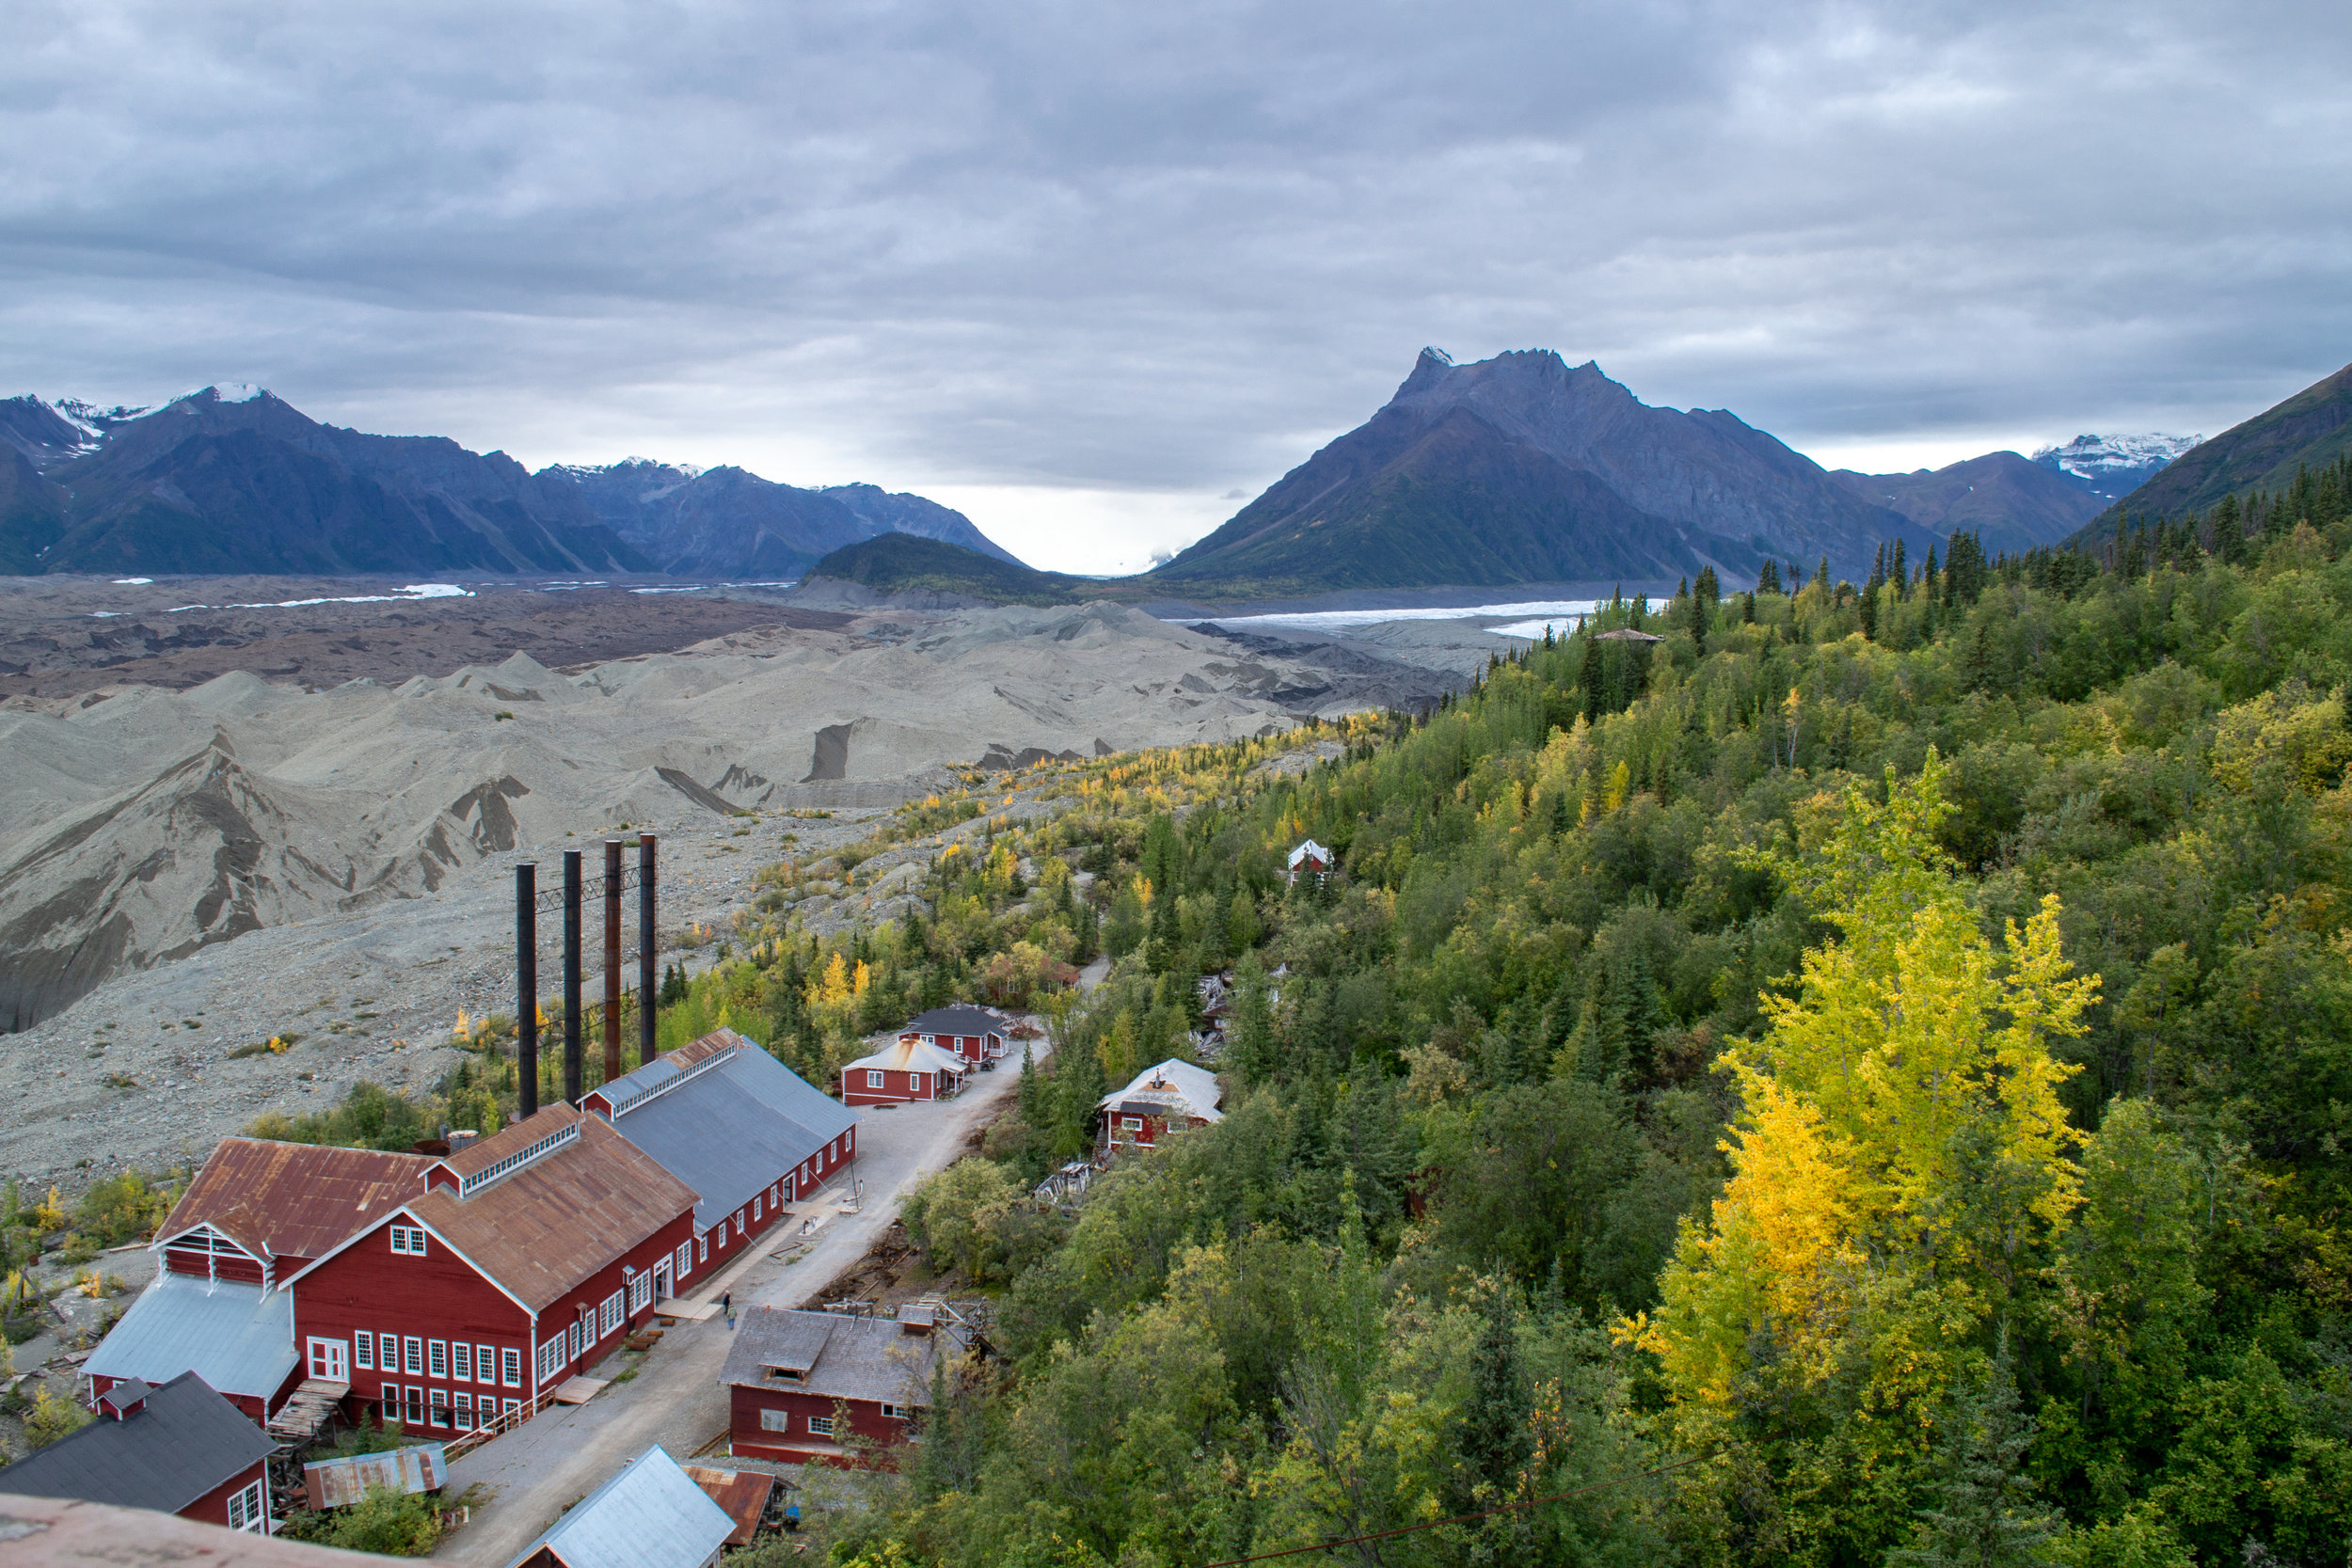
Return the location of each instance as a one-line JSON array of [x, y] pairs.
[[2112, 466]]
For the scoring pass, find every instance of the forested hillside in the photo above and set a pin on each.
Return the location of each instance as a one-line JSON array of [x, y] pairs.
[[1898, 1081], [1772, 1094]]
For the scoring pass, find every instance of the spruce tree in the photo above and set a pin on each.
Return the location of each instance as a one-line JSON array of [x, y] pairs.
[[1988, 1517]]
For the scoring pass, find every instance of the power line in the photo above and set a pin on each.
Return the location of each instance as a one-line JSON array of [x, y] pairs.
[[1461, 1518]]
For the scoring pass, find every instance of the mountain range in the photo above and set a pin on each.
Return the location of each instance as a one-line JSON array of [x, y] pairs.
[[2311, 429], [230, 479]]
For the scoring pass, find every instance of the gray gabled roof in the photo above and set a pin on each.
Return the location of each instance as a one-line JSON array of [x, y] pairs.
[[239, 1339], [649, 1515], [184, 1442], [958, 1018], [730, 1129], [838, 1357]]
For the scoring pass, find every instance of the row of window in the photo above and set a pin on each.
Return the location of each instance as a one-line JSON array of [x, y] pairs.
[[459, 1409], [444, 1358]]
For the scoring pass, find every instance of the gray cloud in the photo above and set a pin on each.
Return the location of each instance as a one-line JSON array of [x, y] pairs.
[[1158, 252]]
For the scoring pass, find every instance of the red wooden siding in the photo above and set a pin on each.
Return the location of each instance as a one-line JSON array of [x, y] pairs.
[[751, 1440], [212, 1507], [440, 1296], [893, 1091]]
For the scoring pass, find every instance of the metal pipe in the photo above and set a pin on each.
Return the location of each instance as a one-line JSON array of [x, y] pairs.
[[612, 959], [571, 976], [646, 945], [527, 984]]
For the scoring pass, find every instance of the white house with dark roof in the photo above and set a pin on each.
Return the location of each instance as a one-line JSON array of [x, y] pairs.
[[745, 1131]]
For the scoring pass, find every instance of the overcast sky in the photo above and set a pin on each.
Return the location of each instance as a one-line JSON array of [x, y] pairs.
[[1098, 272]]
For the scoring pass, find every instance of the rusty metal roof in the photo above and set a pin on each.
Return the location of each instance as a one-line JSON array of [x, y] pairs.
[[338, 1482], [742, 1493], [280, 1200], [554, 1222]]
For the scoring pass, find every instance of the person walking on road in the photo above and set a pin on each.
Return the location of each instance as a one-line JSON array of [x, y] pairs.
[[727, 1304]]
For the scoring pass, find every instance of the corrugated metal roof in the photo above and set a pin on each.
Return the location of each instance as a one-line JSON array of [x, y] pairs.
[[237, 1337], [1178, 1085], [338, 1483], [650, 1515], [742, 1493], [912, 1055], [838, 1356], [731, 1129], [185, 1441], [280, 1200], [550, 1224]]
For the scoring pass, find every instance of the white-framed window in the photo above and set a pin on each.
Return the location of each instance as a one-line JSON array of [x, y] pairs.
[[576, 1339], [551, 1358], [914, 1083], [465, 1411], [440, 1407], [513, 1362], [1133, 1124], [757, 1199], [363, 1349], [436, 1358], [461, 1361], [412, 1355], [684, 1263], [896, 1412], [409, 1239], [640, 1292], [330, 1359], [739, 1222], [510, 1407], [485, 1363], [704, 1239], [415, 1405], [820, 1425], [775, 1420], [873, 1078], [246, 1510], [608, 1318], [774, 1192]]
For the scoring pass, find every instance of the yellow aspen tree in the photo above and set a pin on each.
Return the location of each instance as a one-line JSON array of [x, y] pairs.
[[1900, 1139]]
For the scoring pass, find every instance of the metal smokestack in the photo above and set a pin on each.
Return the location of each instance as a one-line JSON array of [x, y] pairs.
[[571, 976], [612, 959], [527, 984], [647, 988]]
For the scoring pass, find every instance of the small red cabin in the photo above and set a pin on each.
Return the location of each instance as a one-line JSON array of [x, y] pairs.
[[971, 1033], [906, 1071], [800, 1383]]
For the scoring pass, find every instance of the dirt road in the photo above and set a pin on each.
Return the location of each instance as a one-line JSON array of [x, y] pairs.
[[533, 1473]]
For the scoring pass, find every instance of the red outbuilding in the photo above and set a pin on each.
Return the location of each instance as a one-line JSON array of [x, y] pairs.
[[972, 1033], [800, 1383], [180, 1448], [518, 1262], [906, 1071]]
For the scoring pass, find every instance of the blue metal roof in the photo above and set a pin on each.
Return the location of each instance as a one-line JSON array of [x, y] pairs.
[[730, 1129], [650, 1515], [237, 1337]]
